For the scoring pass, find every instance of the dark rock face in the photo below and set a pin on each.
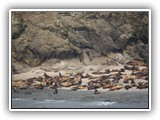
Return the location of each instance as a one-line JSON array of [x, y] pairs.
[[38, 36]]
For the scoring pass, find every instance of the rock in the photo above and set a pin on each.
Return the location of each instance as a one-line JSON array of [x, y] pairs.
[[39, 36]]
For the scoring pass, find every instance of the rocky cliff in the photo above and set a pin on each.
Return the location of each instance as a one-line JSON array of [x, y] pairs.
[[38, 36]]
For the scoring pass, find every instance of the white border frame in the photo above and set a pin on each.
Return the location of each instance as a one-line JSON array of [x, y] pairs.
[[118, 10]]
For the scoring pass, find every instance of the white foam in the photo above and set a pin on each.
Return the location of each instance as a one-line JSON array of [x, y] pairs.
[[101, 103]]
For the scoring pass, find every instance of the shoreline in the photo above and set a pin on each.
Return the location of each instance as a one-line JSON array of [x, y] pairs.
[[80, 99]]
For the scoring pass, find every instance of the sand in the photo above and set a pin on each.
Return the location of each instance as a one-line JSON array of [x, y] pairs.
[[32, 98]]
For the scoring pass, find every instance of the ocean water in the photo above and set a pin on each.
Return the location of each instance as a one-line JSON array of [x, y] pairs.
[[81, 99]]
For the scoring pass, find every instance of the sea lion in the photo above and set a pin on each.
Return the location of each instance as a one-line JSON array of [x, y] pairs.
[[91, 69], [115, 80], [128, 67], [65, 84], [89, 76], [122, 70], [115, 70], [20, 84], [98, 72], [49, 81], [107, 71], [38, 85], [96, 91], [133, 84], [15, 89], [40, 79], [47, 76], [74, 88], [105, 86], [103, 77], [127, 78], [127, 87], [142, 85], [55, 91], [81, 87], [116, 87], [93, 85]]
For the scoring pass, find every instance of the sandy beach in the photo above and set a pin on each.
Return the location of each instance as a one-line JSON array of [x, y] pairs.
[[81, 98]]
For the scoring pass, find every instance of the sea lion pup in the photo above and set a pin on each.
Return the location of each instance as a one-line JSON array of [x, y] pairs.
[[96, 91]]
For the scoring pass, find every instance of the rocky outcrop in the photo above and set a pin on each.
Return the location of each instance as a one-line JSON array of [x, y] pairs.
[[38, 36]]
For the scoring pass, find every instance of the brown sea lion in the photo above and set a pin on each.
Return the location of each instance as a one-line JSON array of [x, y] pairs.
[[130, 77], [116, 87], [38, 85], [94, 85], [81, 87], [77, 81], [105, 86], [98, 72], [49, 81], [65, 84], [20, 84]]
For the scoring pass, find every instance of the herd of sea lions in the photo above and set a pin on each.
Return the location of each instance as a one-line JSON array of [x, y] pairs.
[[107, 79]]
